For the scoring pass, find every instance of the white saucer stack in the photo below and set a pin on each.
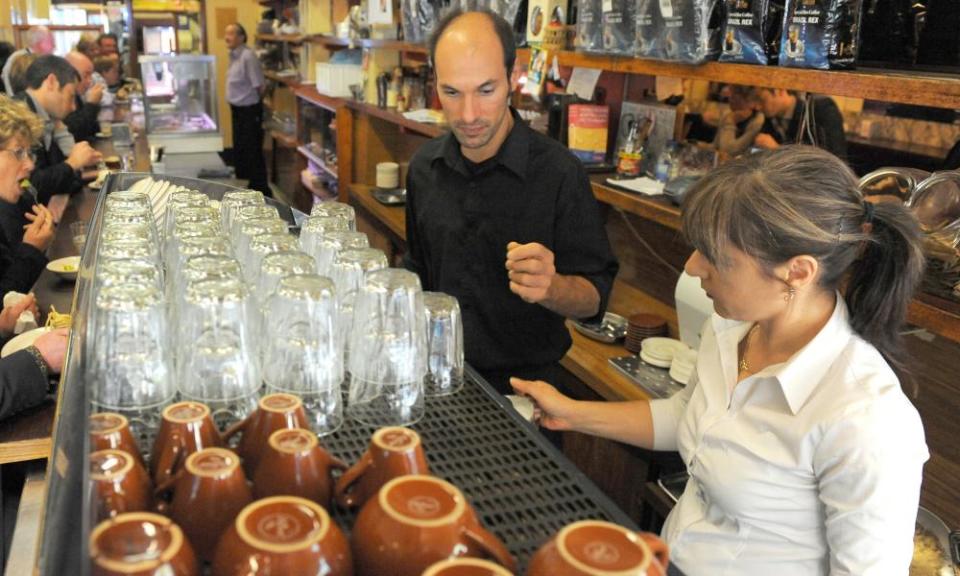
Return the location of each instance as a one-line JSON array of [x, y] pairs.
[[672, 354], [684, 362]]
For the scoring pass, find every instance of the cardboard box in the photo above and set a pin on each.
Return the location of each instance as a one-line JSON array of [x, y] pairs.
[[587, 132]]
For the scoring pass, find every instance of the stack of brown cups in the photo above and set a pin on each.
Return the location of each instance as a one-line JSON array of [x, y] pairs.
[[642, 326]]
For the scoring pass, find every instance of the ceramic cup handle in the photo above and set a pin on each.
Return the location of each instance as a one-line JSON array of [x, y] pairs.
[[492, 547], [169, 460], [659, 548], [341, 491]]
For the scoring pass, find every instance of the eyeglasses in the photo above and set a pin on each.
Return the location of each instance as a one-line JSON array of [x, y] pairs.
[[22, 154]]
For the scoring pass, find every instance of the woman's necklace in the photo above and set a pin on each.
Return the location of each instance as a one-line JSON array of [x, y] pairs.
[[744, 366]]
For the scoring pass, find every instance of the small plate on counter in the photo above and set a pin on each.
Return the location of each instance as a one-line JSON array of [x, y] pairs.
[[613, 328], [65, 268], [22, 341], [390, 196]]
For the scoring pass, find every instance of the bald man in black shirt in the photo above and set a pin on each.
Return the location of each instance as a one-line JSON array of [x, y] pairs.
[[500, 216]]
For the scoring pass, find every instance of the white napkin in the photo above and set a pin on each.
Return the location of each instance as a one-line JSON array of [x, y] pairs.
[[26, 321], [641, 185]]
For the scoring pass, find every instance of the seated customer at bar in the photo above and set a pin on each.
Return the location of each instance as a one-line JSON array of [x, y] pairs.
[[52, 84], [26, 228], [804, 454], [24, 375]]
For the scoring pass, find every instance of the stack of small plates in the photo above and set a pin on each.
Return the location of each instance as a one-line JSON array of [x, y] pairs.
[[684, 361], [643, 326], [660, 351]]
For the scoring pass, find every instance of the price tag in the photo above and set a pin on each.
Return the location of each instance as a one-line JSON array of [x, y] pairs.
[[666, 8]]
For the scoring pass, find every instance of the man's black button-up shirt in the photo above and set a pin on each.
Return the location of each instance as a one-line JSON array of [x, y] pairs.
[[460, 218]]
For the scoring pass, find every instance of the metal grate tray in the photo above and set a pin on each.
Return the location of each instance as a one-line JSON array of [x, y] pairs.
[[523, 489]]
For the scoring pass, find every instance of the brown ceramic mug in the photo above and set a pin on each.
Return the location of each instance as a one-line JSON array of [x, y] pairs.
[[596, 548], [118, 484], [208, 493], [274, 412], [186, 428], [415, 521], [466, 567], [283, 535], [141, 544], [295, 464], [111, 431], [394, 451]]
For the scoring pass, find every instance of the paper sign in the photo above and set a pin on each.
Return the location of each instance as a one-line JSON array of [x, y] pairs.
[[583, 81]]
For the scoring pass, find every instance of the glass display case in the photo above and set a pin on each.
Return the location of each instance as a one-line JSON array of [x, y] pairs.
[[180, 102]]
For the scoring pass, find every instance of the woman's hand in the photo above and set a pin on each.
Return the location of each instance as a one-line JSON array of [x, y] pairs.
[[552, 409], [9, 315], [39, 232]]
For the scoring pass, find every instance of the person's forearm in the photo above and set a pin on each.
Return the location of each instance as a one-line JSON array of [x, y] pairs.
[[628, 422], [572, 297]]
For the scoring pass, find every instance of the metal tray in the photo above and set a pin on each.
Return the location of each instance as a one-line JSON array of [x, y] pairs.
[[612, 328], [523, 489]]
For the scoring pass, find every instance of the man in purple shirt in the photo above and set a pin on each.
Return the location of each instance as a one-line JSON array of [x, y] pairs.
[[245, 87]]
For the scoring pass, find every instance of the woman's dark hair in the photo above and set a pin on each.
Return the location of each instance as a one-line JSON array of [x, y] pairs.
[[503, 29], [797, 200], [49, 64]]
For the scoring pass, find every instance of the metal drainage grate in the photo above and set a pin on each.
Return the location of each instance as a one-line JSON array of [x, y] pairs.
[[523, 489]]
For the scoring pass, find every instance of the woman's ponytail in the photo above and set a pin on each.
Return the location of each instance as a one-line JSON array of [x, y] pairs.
[[882, 281]]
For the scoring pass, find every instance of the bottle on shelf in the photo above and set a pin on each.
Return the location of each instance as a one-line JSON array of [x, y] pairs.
[[630, 154]]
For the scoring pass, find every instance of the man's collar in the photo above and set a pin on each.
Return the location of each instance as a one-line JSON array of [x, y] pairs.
[[37, 108], [235, 52], [513, 153]]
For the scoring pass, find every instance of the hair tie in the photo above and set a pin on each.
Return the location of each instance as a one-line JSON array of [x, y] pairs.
[[868, 211]]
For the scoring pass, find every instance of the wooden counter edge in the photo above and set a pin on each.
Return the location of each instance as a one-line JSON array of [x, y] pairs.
[[23, 450]]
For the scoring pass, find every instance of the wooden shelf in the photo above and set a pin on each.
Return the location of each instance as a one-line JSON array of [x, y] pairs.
[[393, 217], [656, 208], [924, 89], [317, 161], [291, 38], [285, 140], [309, 93], [430, 130], [334, 42], [291, 81]]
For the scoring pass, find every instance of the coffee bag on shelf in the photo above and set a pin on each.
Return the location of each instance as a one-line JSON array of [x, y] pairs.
[[748, 26], [649, 25], [589, 26], [619, 26], [691, 30], [820, 34]]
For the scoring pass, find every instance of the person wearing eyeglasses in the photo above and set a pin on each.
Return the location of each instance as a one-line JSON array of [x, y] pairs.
[[26, 227]]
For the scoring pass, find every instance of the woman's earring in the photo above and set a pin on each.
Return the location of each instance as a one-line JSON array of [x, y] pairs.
[[789, 294]]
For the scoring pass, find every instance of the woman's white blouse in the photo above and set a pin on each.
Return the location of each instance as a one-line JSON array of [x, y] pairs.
[[812, 466]]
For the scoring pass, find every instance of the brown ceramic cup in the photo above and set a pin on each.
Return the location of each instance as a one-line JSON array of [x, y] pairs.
[[208, 493], [295, 464], [416, 521], [596, 548], [394, 451], [111, 431], [186, 428], [283, 535], [141, 544], [118, 484], [466, 567], [274, 412]]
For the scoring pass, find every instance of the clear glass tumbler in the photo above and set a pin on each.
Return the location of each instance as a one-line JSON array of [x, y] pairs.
[[387, 361], [302, 354], [444, 344]]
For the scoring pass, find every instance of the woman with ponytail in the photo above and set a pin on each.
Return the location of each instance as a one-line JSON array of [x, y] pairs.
[[804, 454]]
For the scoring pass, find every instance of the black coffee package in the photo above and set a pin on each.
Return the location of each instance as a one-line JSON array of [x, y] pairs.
[[820, 34], [746, 31], [649, 26], [589, 26], [418, 18], [691, 30], [619, 26]]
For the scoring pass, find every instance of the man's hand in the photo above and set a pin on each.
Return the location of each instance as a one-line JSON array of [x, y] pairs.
[[95, 94], [531, 271], [9, 315], [53, 348], [39, 232], [83, 155], [765, 141]]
